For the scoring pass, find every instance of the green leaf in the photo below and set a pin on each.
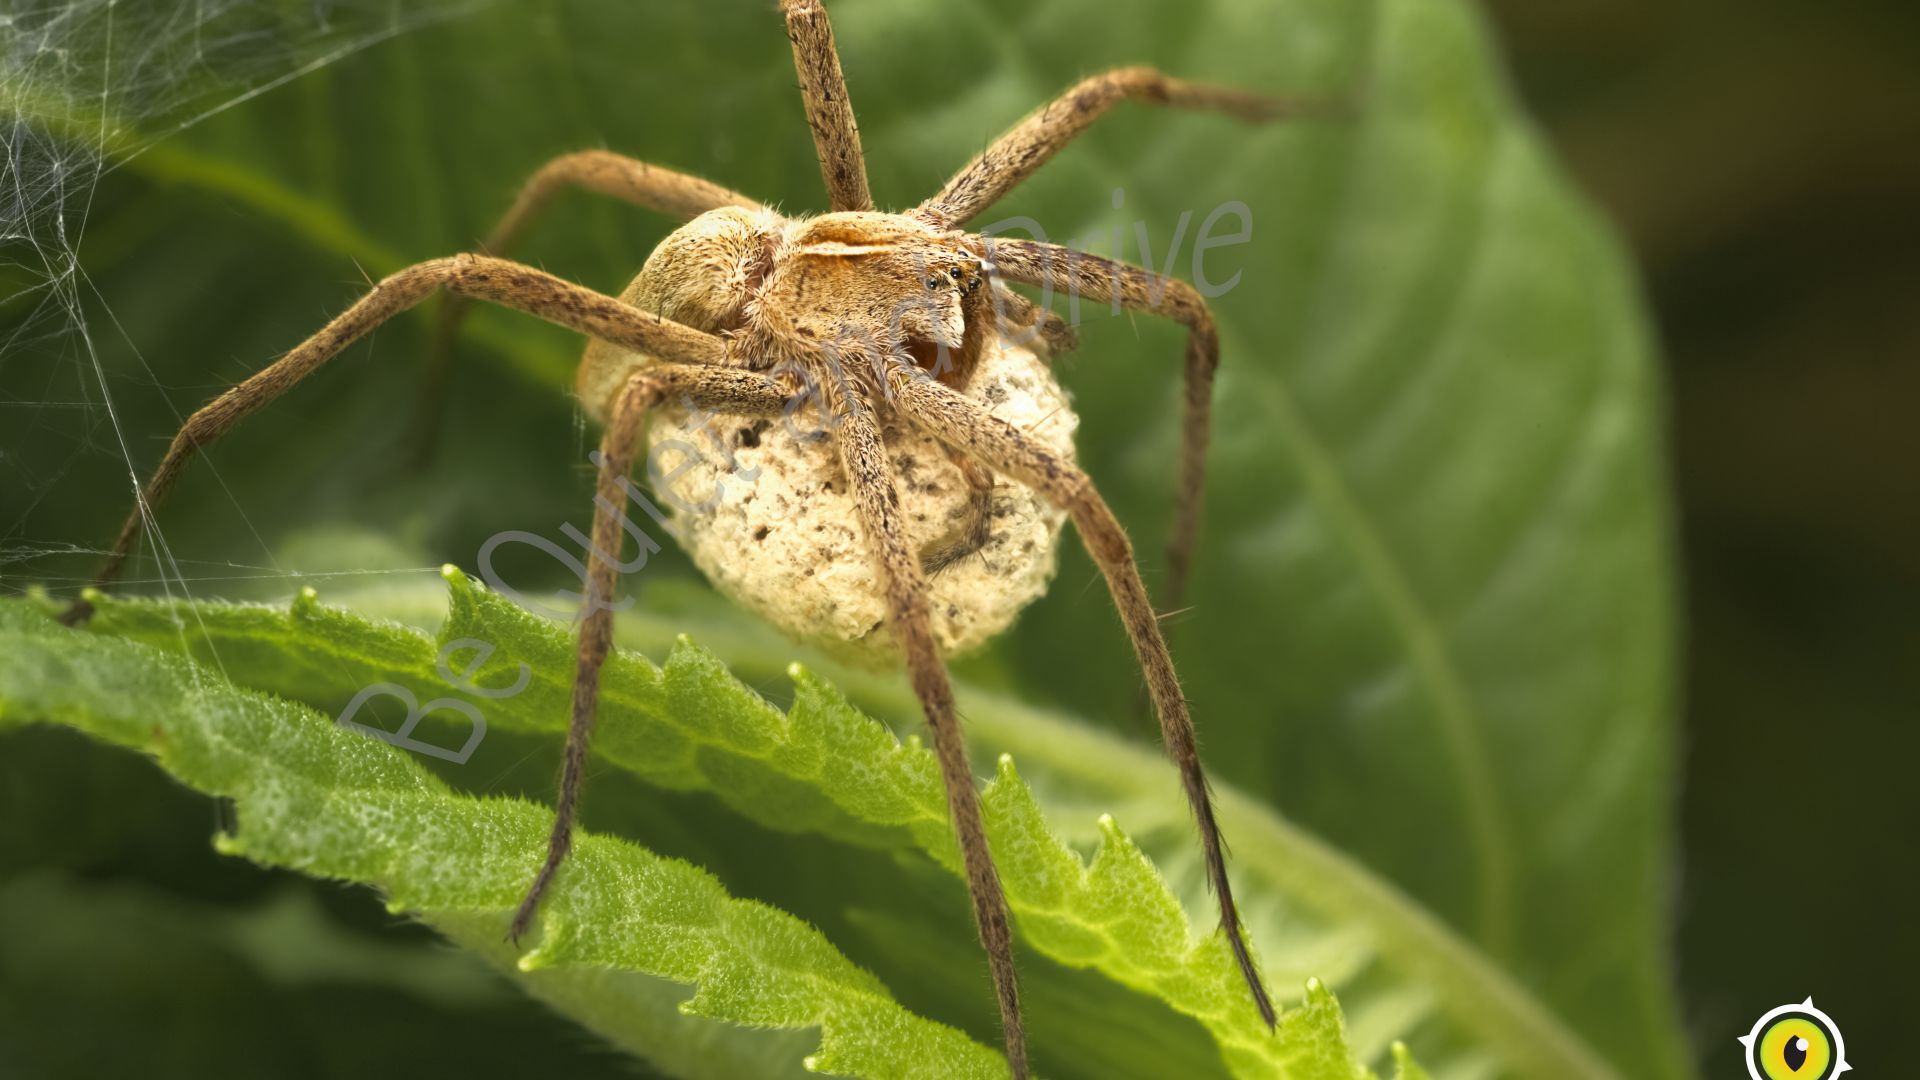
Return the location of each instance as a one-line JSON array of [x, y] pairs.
[[316, 798], [1431, 617], [822, 767]]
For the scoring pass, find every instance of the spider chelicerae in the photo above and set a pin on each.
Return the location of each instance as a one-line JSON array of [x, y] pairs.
[[876, 319]]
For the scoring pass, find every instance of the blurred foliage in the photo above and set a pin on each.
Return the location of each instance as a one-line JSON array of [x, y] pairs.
[[1431, 613], [1763, 159]]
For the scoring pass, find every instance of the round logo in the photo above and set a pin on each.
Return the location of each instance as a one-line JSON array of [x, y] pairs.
[[1795, 1042]]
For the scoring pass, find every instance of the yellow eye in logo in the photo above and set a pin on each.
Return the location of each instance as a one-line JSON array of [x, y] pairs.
[[1795, 1042]]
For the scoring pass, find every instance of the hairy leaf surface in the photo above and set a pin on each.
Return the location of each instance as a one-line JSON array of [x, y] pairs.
[[823, 767], [315, 797]]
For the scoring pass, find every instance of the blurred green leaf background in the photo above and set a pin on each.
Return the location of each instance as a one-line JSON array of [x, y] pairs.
[[1435, 612], [1763, 160]]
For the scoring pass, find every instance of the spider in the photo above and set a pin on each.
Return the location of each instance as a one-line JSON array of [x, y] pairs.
[[881, 318]]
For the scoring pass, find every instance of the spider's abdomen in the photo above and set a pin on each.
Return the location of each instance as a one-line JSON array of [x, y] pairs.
[[704, 274]]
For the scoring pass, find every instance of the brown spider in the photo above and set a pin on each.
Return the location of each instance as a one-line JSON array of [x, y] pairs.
[[884, 316]]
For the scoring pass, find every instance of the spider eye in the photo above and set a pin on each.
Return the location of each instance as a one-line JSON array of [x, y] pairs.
[[933, 282], [956, 273]]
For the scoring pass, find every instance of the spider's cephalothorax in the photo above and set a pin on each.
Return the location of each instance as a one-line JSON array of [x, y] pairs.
[[839, 288], [865, 284], [928, 379]]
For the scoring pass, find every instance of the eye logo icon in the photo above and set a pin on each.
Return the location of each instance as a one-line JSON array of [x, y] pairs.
[[1795, 1042]]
